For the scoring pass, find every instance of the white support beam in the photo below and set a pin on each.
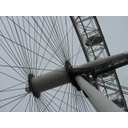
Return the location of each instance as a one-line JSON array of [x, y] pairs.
[[59, 77], [97, 99], [50, 80]]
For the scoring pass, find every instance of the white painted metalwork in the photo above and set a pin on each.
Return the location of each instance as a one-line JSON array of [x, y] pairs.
[[97, 99], [59, 77], [50, 80]]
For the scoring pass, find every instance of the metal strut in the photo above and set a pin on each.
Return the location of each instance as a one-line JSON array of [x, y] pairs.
[[96, 71], [98, 100]]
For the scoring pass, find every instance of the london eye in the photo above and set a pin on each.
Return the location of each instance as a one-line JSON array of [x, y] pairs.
[[58, 64]]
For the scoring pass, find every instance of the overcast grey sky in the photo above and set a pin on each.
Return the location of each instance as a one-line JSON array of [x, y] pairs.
[[115, 30]]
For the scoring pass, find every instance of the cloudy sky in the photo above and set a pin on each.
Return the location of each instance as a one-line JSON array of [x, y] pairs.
[[115, 30]]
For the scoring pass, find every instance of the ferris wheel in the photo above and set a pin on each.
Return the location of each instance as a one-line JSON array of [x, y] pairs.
[[58, 64]]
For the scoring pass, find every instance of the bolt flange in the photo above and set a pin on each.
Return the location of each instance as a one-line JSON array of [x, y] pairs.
[[71, 76], [30, 89]]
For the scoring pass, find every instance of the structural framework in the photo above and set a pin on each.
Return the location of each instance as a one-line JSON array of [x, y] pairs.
[[43, 66]]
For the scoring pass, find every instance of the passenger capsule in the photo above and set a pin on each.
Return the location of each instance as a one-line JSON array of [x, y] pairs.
[[94, 40]]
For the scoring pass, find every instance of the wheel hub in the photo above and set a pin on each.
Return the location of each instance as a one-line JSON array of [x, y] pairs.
[[30, 88], [71, 75]]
